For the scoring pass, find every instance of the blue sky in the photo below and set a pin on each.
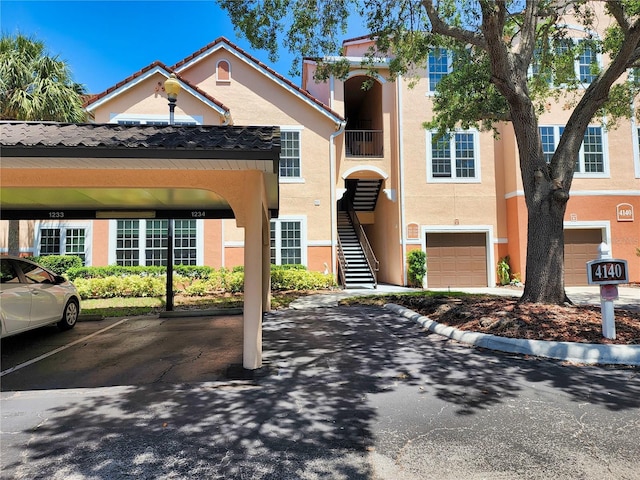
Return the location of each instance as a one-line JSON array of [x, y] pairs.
[[106, 41]]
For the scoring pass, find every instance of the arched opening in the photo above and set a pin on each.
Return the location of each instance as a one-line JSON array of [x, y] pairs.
[[363, 110]]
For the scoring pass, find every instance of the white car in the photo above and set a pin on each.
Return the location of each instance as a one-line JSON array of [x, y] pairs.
[[32, 296]]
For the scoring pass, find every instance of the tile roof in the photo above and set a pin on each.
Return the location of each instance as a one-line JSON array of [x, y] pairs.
[[183, 62], [262, 65], [93, 98], [27, 136]]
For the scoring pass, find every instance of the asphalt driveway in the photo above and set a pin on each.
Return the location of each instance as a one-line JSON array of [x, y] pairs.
[[346, 393]]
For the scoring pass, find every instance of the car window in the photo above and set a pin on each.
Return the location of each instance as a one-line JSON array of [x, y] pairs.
[[8, 272], [35, 274]]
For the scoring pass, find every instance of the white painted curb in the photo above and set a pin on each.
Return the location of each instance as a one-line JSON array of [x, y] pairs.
[[590, 353]]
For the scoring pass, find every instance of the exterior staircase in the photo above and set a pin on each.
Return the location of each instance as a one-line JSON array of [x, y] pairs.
[[365, 194], [357, 273]]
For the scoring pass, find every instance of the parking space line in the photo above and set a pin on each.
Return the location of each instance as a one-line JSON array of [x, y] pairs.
[[59, 349]]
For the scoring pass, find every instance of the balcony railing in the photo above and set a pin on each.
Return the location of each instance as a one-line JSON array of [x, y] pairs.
[[364, 143]]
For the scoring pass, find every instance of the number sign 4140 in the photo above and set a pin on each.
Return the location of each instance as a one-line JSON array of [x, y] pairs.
[[607, 271]]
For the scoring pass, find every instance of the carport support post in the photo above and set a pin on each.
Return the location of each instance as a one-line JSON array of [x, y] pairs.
[[253, 235]]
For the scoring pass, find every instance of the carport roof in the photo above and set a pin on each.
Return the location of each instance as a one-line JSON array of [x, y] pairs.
[[34, 139], [48, 145]]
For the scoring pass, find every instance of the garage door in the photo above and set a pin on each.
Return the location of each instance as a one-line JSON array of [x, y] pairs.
[[456, 260], [580, 246]]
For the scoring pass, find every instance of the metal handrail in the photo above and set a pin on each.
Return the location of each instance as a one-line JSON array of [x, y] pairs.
[[372, 261], [343, 265]]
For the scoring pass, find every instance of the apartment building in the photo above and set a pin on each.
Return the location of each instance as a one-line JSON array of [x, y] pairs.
[[361, 182]]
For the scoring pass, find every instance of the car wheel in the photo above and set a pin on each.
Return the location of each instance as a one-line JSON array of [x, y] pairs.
[[69, 316]]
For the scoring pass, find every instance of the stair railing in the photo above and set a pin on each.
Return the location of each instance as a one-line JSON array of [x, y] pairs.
[[343, 265], [372, 261]]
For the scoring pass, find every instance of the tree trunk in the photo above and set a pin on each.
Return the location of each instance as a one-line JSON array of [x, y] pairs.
[[544, 281], [13, 242], [546, 198]]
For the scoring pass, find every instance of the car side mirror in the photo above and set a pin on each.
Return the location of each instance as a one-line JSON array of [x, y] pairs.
[[58, 279]]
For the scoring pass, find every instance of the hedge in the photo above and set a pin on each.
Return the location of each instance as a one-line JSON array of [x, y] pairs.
[[58, 264], [152, 283]]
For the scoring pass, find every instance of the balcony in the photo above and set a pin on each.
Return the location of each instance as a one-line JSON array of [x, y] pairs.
[[364, 143]]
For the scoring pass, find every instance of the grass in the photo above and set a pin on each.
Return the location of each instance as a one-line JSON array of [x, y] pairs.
[[133, 306]]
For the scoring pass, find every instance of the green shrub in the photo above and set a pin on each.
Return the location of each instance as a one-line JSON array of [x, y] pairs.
[[291, 266], [504, 269], [93, 282], [300, 279], [58, 264], [417, 267], [129, 286]]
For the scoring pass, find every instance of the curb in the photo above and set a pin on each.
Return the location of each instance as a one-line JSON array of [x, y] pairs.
[[587, 353]]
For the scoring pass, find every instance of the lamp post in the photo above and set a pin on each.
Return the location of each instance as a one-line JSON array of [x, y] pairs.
[[172, 87]]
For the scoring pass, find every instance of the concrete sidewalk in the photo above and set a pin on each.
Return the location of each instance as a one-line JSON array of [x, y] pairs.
[[629, 298]]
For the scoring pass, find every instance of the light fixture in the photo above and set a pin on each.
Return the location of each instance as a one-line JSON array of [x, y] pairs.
[[172, 87]]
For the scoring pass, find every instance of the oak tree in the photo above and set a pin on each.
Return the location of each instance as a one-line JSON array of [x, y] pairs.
[[510, 58]]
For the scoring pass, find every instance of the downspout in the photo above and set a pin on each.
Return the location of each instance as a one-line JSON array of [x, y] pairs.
[[403, 240], [332, 182], [226, 119]]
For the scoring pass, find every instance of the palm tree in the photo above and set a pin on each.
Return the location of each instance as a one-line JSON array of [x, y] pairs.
[[35, 86]]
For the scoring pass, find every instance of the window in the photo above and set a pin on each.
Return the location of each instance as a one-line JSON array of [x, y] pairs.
[[591, 159], [144, 242], [127, 243], [223, 71], [290, 153], [453, 157], [587, 63], [636, 148], [286, 242], [550, 138], [592, 152], [575, 60], [62, 240], [153, 122], [156, 242], [438, 66], [144, 119], [185, 242]]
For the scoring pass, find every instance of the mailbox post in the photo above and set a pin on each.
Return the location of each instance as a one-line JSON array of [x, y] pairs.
[[608, 273]]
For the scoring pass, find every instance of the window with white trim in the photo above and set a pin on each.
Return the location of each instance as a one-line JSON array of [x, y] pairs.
[[587, 63], [62, 240], [290, 153], [636, 147], [128, 243], [147, 119], [591, 159], [154, 122], [453, 157], [144, 242], [286, 242], [575, 59], [438, 66]]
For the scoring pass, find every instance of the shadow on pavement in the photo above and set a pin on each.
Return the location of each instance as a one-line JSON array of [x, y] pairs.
[[309, 417]]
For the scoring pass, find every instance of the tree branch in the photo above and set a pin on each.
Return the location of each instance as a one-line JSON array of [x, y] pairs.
[[440, 27], [617, 11]]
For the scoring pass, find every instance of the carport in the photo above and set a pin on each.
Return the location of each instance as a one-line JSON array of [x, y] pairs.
[[104, 171]]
